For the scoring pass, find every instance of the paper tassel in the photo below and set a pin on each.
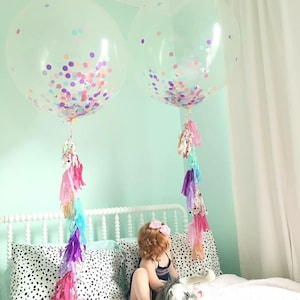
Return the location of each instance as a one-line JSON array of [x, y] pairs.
[[65, 288], [78, 182], [199, 207], [79, 220], [66, 188], [195, 235], [71, 184], [194, 133], [185, 142], [189, 188], [193, 163], [72, 253]]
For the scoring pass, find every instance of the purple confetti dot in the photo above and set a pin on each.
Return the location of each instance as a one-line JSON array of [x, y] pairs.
[[105, 94], [71, 64], [61, 104], [68, 75], [142, 41], [72, 83], [65, 68], [49, 67], [63, 90], [208, 42], [92, 54]]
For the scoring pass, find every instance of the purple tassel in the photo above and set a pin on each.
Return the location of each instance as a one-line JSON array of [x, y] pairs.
[[72, 252], [189, 188], [188, 179]]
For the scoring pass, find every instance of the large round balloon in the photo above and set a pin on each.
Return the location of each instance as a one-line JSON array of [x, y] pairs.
[[184, 49], [66, 56]]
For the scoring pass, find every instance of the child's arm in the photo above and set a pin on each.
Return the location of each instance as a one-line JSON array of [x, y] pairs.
[[155, 283], [173, 272]]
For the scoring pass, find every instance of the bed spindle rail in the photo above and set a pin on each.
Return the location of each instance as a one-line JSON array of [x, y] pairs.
[[102, 224]]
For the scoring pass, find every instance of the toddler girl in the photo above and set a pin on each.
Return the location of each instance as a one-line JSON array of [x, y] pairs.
[[156, 266]]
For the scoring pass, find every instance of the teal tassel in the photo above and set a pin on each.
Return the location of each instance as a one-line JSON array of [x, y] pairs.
[[193, 163], [79, 219]]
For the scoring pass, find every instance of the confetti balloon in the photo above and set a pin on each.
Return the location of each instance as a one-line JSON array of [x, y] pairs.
[[66, 56], [185, 50]]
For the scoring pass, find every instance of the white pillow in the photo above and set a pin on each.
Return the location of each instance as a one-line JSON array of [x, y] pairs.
[[35, 271], [182, 256]]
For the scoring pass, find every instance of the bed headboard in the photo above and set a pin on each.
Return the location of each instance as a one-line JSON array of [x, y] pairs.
[[102, 224]]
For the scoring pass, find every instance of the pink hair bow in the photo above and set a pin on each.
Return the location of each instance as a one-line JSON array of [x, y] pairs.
[[163, 228]]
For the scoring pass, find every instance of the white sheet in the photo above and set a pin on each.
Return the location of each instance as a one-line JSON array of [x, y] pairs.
[[232, 287]]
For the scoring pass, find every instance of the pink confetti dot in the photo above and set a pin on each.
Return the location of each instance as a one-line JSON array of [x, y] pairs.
[[171, 53]]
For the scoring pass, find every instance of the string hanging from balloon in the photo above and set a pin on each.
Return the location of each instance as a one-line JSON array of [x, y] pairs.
[[71, 185], [188, 141]]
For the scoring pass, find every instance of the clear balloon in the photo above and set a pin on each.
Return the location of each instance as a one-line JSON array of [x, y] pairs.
[[184, 50], [66, 56]]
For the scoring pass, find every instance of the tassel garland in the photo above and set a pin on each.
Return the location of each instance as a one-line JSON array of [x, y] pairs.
[[71, 185], [188, 140]]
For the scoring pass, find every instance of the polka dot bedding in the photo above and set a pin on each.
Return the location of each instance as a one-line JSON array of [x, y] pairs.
[[35, 271], [182, 256], [132, 258]]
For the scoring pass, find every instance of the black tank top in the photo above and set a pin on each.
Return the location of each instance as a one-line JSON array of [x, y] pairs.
[[163, 273]]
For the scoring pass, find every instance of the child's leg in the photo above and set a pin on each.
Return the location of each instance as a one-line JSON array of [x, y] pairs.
[[140, 289]]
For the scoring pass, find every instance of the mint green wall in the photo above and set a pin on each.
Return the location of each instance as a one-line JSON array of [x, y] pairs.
[[129, 150]]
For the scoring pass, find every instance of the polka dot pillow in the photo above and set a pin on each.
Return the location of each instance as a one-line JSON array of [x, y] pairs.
[[35, 271], [182, 256], [131, 255]]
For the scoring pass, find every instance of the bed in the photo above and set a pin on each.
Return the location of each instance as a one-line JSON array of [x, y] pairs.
[[33, 246]]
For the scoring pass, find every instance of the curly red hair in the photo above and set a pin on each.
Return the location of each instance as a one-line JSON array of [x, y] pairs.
[[152, 243]]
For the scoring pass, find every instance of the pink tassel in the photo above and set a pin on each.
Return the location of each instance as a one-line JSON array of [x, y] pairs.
[[195, 235], [66, 189], [65, 288], [71, 184], [194, 133], [78, 182]]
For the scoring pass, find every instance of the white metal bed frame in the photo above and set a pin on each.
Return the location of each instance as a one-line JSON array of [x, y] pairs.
[[98, 220]]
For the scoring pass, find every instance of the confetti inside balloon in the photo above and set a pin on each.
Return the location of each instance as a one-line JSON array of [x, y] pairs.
[[66, 56], [184, 51]]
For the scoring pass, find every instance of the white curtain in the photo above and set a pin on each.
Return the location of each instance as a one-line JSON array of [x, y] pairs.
[[264, 114]]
